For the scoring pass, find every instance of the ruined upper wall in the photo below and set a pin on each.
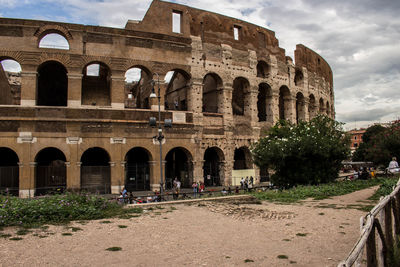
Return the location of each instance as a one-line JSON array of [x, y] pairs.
[[305, 57], [211, 27]]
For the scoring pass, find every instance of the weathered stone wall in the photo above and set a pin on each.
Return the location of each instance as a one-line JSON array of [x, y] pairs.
[[205, 45]]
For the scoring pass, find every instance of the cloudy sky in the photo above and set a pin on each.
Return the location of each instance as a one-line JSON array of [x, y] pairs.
[[360, 39]]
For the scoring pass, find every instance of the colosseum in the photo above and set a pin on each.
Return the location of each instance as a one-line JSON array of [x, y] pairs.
[[81, 114]]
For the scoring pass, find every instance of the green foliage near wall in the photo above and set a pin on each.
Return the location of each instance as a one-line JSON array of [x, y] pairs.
[[306, 153]]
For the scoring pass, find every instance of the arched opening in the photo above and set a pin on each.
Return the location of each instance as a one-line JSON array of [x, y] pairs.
[[9, 172], [328, 109], [10, 82], [242, 158], [52, 84], [51, 175], [263, 69], [298, 78], [300, 108], [264, 100], [178, 165], [239, 96], [96, 82], [137, 88], [54, 41], [321, 106], [213, 169], [212, 85], [264, 174], [312, 107], [176, 94], [137, 170], [284, 103], [95, 171]]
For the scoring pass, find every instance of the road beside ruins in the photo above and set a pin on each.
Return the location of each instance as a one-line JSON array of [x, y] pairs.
[[311, 233]]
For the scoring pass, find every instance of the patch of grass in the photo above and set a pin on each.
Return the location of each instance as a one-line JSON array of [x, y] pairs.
[[321, 213], [292, 262], [282, 257], [114, 249], [165, 218], [159, 207], [122, 226], [301, 234], [386, 188], [172, 208], [22, 232], [286, 239], [321, 191], [341, 226], [57, 209], [66, 234], [150, 208], [82, 222], [157, 213], [106, 221], [16, 238], [4, 235], [248, 260], [227, 257], [129, 216], [76, 229], [343, 233], [44, 227], [42, 236]]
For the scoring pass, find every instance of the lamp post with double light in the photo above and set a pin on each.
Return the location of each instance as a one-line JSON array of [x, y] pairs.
[[153, 122]]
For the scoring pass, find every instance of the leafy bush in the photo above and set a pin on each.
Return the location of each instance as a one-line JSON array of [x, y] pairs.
[[306, 153], [56, 209]]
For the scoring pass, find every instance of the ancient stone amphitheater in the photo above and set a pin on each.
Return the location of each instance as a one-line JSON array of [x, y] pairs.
[[77, 114]]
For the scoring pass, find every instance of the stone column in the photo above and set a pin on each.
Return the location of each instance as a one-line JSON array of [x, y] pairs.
[[250, 106], [116, 186], [74, 169], [198, 170], [275, 107], [28, 88], [118, 92], [290, 108], [155, 182], [195, 96], [228, 167], [159, 82], [227, 106], [306, 104], [74, 90]]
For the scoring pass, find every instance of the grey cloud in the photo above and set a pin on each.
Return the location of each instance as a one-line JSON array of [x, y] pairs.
[[309, 27], [364, 115]]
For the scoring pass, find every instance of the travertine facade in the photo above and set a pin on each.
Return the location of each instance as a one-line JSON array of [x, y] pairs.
[[66, 126]]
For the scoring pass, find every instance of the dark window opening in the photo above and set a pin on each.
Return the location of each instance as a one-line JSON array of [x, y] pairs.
[[95, 171], [96, 84], [284, 103], [9, 172], [178, 165], [137, 170], [298, 78], [52, 84], [212, 167], [240, 87], [263, 69], [211, 94], [51, 174], [242, 159]]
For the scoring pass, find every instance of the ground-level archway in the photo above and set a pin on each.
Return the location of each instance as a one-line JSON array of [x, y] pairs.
[[242, 158], [95, 171], [9, 172], [213, 171], [178, 165], [50, 172], [137, 169]]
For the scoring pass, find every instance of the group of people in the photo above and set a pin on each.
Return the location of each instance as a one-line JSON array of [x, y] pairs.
[[247, 184], [198, 188], [129, 198]]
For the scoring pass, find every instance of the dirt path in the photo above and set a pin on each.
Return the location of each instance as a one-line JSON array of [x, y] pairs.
[[312, 233]]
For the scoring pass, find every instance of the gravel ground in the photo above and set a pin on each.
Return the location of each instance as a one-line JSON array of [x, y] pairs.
[[310, 233]]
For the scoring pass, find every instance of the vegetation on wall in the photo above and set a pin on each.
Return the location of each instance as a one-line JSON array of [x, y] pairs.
[[306, 153]]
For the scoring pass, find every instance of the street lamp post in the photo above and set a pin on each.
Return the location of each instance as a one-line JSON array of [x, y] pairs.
[[167, 123]]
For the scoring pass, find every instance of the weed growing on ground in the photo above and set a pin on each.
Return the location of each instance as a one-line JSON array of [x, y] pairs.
[[66, 234], [321, 213], [16, 238], [287, 240], [283, 257], [4, 235], [301, 234], [76, 229], [292, 262], [122, 226], [106, 222], [173, 208], [22, 232], [248, 260], [114, 249]]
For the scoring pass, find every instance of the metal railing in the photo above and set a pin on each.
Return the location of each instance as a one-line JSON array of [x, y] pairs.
[[380, 230]]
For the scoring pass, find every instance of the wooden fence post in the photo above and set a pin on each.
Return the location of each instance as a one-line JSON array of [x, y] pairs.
[[384, 243], [371, 248], [388, 226]]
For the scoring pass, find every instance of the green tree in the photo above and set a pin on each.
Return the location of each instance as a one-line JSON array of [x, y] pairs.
[[368, 141], [306, 153]]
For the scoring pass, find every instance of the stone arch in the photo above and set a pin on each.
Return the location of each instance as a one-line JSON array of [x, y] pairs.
[[95, 170], [137, 169], [241, 87], [264, 102], [263, 69], [10, 81], [285, 99], [328, 109], [212, 88], [96, 84], [50, 171], [52, 84], [176, 93], [9, 171], [179, 165], [298, 77], [213, 166], [46, 29], [312, 106], [300, 107], [321, 106], [242, 158], [138, 86], [53, 40]]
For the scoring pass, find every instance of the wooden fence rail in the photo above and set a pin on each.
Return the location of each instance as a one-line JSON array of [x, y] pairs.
[[380, 230]]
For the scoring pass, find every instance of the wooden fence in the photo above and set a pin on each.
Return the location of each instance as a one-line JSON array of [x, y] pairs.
[[380, 230]]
